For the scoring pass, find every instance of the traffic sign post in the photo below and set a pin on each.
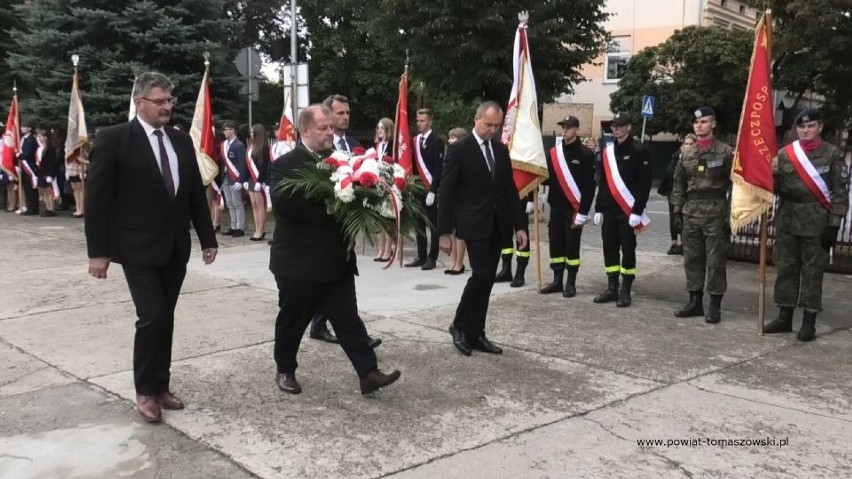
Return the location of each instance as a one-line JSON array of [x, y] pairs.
[[647, 112], [248, 64]]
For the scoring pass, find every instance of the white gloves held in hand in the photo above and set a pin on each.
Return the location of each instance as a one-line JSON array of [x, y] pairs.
[[237, 186], [529, 208], [430, 199], [258, 187], [580, 220], [48, 179], [598, 219], [634, 220]]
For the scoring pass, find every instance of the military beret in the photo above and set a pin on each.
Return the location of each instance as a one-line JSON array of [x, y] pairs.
[[569, 121], [622, 119], [704, 111], [809, 114]]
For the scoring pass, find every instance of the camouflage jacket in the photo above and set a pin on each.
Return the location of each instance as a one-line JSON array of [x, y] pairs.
[[798, 211], [702, 180]]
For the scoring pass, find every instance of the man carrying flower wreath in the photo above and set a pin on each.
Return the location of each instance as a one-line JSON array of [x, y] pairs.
[[314, 263]]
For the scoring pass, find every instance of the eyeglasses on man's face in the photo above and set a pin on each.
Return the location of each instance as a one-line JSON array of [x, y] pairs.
[[161, 102]]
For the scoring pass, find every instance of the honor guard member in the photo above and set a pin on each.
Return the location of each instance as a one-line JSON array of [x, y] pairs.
[[812, 184], [625, 184], [571, 166], [701, 208]]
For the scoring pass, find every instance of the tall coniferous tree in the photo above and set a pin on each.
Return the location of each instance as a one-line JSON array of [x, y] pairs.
[[116, 39]]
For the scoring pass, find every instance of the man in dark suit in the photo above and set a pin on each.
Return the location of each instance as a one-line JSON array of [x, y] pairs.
[[477, 189], [429, 161], [233, 153], [27, 160], [313, 268], [143, 191]]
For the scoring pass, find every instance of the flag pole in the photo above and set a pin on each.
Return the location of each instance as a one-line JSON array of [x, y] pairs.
[[764, 218], [400, 241], [20, 167]]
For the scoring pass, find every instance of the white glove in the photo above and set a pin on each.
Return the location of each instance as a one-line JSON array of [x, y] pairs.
[[237, 186], [580, 220], [634, 220], [529, 207], [48, 179], [245, 185], [430, 199], [598, 219], [258, 187]]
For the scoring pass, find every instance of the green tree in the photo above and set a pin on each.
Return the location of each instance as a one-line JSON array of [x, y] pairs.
[[696, 66], [116, 39]]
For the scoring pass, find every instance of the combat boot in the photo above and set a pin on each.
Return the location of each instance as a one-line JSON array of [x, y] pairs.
[[782, 324], [611, 293], [556, 285], [695, 306], [505, 274], [519, 276], [715, 313], [624, 299], [808, 331], [570, 285]]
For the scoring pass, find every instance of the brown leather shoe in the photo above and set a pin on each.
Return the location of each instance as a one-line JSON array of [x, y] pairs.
[[169, 401], [148, 408]]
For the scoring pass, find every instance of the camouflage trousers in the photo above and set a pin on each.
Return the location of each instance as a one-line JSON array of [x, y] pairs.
[[800, 262], [705, 253]]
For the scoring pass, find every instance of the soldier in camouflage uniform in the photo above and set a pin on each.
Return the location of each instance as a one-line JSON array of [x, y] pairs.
[[700, 202], [806, 224]]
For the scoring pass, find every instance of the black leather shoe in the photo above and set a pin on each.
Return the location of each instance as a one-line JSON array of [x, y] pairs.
[[373, 342], [429, 264], [376, 380], [460, 341], [239, 233], [416, 262], [30, 212], [230, 232], [323, 335], [483, 344], [287, 383]]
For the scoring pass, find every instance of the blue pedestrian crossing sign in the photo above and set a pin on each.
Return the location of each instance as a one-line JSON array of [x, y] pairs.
[[647, 106]]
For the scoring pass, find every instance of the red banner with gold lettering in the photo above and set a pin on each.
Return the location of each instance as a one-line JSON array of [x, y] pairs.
[[752, 193]]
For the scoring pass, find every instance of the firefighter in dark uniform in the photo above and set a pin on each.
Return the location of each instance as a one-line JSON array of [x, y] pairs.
[[566, 223], [619, 223], [522, 254], [807, 220], [701, 209]]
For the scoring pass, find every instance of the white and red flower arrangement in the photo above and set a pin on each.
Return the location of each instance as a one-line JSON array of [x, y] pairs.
[[367, 195]]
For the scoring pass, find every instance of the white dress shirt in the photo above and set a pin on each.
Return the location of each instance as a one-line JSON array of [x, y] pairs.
[[170, 150]]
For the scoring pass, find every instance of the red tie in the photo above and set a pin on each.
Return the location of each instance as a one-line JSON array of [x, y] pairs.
[[165, 165]]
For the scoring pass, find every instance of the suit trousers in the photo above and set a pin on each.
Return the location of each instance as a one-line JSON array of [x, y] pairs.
[[484, 256], [298, 300], [564, 240], [432, 213], [234, 200], [30, 194], [619, 245], [155, 291]]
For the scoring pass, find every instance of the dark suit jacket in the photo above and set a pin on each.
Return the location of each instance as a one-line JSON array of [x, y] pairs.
[[307, 243], [433, 156], [49, 164], [129, 215], [237, 155], [468, 192], [29, 145]]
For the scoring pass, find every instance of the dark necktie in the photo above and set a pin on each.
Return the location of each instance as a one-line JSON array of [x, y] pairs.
[[165, 165], [489, 158], [341, 144], [422, 142]]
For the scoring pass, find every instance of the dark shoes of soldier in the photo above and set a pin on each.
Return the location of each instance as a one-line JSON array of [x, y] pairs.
[[714, 315], [611, 293], [624, 298], [808, 331], [695, 306], [519, 281], [556, 285], [782, 324], [570, 289]]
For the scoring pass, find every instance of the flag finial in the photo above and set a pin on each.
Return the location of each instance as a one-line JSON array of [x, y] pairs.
[[75, 59], [523, 16], [206, 56], [15, 87]]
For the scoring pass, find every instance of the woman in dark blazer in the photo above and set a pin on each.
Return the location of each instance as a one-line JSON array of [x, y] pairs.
[[48, 170], [258, 161]]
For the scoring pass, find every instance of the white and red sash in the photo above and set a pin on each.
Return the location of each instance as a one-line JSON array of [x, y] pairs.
[[253, 171], [618, 189], [566, 179], [809, 175], [425, 176], [232, 170]]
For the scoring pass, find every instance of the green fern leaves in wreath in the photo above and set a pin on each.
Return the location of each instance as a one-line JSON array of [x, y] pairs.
[[362, 215]]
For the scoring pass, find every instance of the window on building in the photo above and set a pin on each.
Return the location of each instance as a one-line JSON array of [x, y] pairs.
[[724, 3], [617, 56], [742, 8]]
